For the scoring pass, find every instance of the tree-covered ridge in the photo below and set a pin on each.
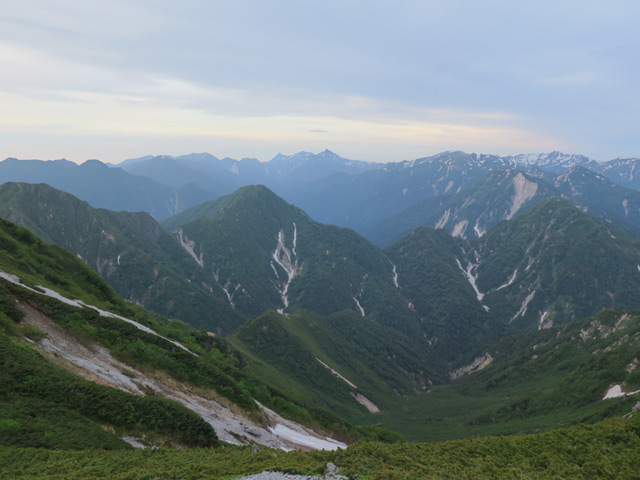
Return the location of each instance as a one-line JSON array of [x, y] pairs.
[[454, 322], [143, 262], [268, 254], [554, 264]]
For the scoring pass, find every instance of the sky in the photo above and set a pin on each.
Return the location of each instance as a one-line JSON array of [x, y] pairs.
[[370, 80]]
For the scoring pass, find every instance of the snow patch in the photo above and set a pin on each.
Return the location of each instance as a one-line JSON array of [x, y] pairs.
[[523, 307], [359, 306], [301, 438], [336, 373], [395, 276], [625, 205], [616, 391], [478, 364], [443, 219], [471, 278], [134, 442], [509, 282], [524, 191], [479, 231], [458, 230], [449, 186], [288, 260], [542, 323], [230, 294], [189, 246], [365, 402], [360, 293]]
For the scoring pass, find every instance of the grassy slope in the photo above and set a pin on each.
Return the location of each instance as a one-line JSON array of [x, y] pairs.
[[605, 450], [381, 362]]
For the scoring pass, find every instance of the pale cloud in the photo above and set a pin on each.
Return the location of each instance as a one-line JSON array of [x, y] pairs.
[[370, 80]]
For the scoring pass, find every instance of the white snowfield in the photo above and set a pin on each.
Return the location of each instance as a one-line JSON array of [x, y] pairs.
[[617, 391]]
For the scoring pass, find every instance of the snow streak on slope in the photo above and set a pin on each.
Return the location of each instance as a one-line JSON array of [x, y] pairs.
[[524, 191], [359, 306], [189, 246], [80, 304], [472, 280], [523, 307], [360, 398], [395, 276], [288, 260], [444, 219], [509, 282], [479, 231], [336, 373], [459, 229], [359, 296], [95, 363]]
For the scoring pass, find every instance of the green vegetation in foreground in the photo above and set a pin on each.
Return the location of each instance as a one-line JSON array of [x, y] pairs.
[[605, 450]]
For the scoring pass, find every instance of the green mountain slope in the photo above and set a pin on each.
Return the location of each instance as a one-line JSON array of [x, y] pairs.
[[469, 213], [453, 321], [131, 251], [546, 379], [75, 321], [342, 362], [552, 265], [268, 254], [364, 200], [504, 194]]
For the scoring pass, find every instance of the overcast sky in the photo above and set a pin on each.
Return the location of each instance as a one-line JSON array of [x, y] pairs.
[[370, 80]]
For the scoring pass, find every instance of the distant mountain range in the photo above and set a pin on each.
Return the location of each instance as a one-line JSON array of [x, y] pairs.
[[330, 188], [489, 268]]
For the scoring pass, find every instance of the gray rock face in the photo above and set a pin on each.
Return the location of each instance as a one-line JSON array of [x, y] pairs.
[[330, 473]]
